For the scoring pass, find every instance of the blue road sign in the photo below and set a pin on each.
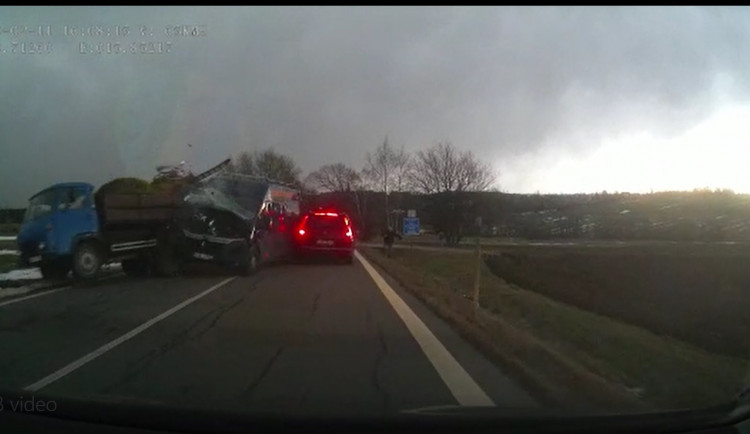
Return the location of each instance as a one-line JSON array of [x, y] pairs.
[[411, 225]]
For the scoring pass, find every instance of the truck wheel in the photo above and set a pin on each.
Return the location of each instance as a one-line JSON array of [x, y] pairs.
[[87, 260], [54, 270]]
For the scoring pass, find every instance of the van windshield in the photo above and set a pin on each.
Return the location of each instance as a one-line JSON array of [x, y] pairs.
[[211, 197], [248, 193]]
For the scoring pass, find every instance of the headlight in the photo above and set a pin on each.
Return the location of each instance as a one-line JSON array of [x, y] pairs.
[[42, 245]]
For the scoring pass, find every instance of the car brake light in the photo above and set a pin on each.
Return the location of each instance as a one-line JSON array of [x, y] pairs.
[[327, 214], [301, 231], [349, 232]]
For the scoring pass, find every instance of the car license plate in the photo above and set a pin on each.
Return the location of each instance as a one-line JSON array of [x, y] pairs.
[[34, 259], [202, 256], [325, 242]]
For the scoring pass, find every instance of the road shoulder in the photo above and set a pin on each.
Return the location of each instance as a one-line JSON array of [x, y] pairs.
[[504, 391]]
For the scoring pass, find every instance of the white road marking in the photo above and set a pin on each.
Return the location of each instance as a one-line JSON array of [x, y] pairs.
[[129, 335], [466, 391], [39, 294]]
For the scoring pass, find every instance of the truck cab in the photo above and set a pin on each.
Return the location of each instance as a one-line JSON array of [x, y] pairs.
[[55, 220]]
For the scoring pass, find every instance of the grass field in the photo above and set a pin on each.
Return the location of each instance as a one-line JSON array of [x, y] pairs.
[[569, 356], [9, 228], [696, 293], [7, 263]]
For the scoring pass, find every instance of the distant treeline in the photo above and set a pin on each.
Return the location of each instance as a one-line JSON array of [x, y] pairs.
[[679, 216]]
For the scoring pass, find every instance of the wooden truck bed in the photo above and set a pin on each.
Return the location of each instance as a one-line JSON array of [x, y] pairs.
[[138, 208]]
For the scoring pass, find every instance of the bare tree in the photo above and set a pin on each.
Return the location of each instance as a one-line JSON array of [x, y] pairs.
[[401, 160], [386, 169], [335, 177], [378, 165], [447, 175], [268, 164], [443, 168], [341, 178], [244, 163]]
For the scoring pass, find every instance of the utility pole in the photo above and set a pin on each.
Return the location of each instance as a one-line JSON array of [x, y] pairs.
[[477, 278], [386, 162]]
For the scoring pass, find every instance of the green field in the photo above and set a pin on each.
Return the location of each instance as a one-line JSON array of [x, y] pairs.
[[695, 293], [569, 356], [7, 229], [7, 263]]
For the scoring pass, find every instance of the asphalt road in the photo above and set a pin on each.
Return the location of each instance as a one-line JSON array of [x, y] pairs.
[[314, 338]]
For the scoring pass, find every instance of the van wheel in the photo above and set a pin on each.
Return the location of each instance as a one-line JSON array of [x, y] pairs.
[[251, 262], [87, 260]]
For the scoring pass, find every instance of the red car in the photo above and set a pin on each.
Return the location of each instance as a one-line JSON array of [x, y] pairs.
[[325, 232]]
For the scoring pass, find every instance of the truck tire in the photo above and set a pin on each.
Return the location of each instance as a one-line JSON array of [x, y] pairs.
[[87, 260], [53, 270]]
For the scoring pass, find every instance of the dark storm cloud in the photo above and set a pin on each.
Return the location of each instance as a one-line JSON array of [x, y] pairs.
[[327, 84]]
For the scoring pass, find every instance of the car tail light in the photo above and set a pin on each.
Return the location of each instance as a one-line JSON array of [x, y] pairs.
[[349, 233], [301, 229], [327, 214]]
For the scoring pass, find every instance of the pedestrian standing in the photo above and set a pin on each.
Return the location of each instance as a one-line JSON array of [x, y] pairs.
[[389, 237]]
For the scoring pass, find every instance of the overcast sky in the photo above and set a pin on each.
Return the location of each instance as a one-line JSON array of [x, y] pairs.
[[556, 99]]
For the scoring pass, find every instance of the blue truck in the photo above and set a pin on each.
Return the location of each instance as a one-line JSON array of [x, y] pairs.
[[225, 218]]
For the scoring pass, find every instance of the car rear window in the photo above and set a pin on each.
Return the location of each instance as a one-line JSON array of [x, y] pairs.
[[318, 222]]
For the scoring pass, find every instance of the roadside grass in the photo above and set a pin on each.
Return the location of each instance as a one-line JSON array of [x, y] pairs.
[[8, 229], [568, 357], [694, 293], [8, 262]]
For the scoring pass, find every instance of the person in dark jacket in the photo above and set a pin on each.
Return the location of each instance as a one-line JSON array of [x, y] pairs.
[[389, 237]]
